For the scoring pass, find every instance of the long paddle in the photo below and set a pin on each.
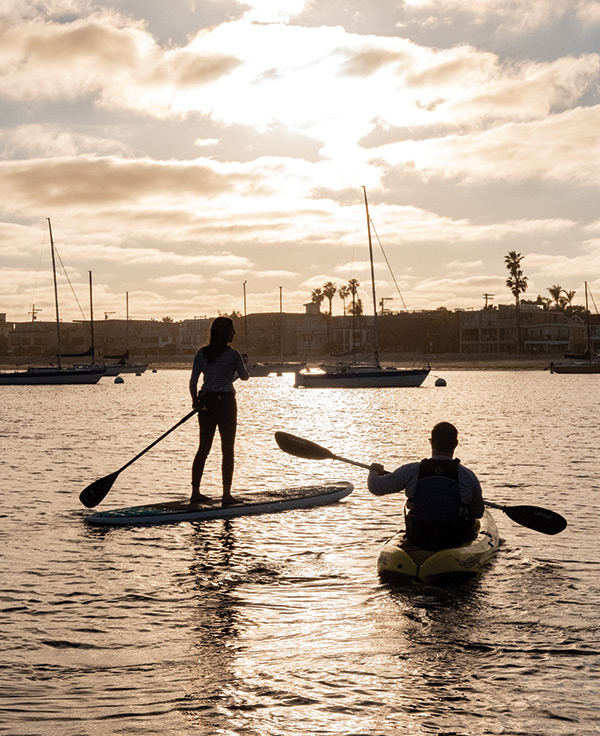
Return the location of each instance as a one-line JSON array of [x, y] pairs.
[[96, 491], [533, 517]]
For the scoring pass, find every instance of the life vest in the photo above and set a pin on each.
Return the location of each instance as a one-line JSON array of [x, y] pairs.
[[436, 518], [436, 499]]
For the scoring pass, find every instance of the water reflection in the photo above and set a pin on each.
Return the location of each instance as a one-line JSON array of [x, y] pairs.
[[279, 624]]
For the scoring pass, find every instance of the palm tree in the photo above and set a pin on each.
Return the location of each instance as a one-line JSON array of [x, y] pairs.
[[353, 285], [329, 291], [517, 283], [343, 293], [556, 292], [357, 308], [317, 296]]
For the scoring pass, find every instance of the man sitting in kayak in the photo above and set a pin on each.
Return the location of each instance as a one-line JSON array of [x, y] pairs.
[[444, 498]]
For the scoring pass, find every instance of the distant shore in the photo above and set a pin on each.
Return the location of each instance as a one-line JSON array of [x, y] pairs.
[[438, 363], [450, 362]]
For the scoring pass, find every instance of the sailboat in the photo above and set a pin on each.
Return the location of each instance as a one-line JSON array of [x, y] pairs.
[[53, 375], [586, 363], [365, 375], [123, 365]]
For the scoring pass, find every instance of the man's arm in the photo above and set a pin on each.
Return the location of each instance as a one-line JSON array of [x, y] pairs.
[[381, 483]]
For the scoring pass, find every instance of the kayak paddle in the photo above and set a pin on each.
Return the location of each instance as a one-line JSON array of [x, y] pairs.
[[309, 450], [96, 491], [533, 517]]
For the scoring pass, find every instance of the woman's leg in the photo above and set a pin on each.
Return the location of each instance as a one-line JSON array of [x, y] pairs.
[[227, 424], [207, 422]]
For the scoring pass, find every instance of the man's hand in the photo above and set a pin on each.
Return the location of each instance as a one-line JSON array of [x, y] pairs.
[[378, 468]]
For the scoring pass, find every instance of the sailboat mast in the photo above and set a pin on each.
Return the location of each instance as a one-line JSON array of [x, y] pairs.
[[58, 341], [92, 321], [587, 321], [372, 280]]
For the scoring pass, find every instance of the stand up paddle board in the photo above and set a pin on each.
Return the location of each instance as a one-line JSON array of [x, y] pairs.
[[264, 502]]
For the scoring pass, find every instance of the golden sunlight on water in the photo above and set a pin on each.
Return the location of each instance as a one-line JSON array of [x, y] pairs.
[[279, 624]]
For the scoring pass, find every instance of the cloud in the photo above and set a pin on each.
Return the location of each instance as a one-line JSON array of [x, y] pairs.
[[472, 126], [557, 147], [107, 56], [39, 184]]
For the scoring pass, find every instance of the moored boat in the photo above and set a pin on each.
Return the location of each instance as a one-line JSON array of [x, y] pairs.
[[589, 362], [576, 366], [365, 375], [59, 374], [402, 560], [49, 376]]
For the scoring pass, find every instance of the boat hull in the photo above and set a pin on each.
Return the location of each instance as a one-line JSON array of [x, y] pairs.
[[574, 367], [266, 502], [373, 378], [261, 370], [51, 377], [115, 369], [402, 560]]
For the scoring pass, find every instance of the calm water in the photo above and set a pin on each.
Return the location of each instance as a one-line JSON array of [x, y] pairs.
[[279, 625]]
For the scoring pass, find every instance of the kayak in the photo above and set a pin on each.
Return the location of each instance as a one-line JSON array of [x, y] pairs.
[[264, 502], [401, 559]]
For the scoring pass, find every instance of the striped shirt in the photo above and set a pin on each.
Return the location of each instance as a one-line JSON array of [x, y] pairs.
[[220, 375]]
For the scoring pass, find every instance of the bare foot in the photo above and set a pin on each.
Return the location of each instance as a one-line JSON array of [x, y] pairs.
[[200, 498], [231, 501]]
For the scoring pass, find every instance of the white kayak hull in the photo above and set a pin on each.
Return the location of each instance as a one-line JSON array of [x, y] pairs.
[[400, 559]]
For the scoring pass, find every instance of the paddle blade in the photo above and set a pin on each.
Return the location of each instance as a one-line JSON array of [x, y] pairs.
[[534, 517], [96, 491], [302, 448]]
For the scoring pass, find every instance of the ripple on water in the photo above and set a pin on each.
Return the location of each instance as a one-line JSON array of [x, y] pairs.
[[279, 624]]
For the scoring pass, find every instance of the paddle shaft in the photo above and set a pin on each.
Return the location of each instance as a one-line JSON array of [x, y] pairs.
[[96, 491], [189, 415], [350, 462]]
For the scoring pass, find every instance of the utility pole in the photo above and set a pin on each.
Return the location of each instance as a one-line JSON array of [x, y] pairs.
[[382, 302], [245, 322], [34, 312], [281, 322], [487, 297], [92, 320]]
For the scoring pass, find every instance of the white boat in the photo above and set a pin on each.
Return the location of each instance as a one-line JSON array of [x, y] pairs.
[[53, 375], [260, 370], [354, 375], [124, 366], [365, 375]]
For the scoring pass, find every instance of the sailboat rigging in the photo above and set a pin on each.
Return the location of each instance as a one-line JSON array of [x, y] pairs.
[[355, 375], [53, 374]]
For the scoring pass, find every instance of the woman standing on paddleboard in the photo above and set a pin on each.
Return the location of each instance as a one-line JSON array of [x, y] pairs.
[[216, 403]]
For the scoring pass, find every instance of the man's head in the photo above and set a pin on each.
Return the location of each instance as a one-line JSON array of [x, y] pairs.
[[444, 438]]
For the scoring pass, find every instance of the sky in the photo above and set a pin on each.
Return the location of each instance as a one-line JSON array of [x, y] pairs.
[[189, 153]]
